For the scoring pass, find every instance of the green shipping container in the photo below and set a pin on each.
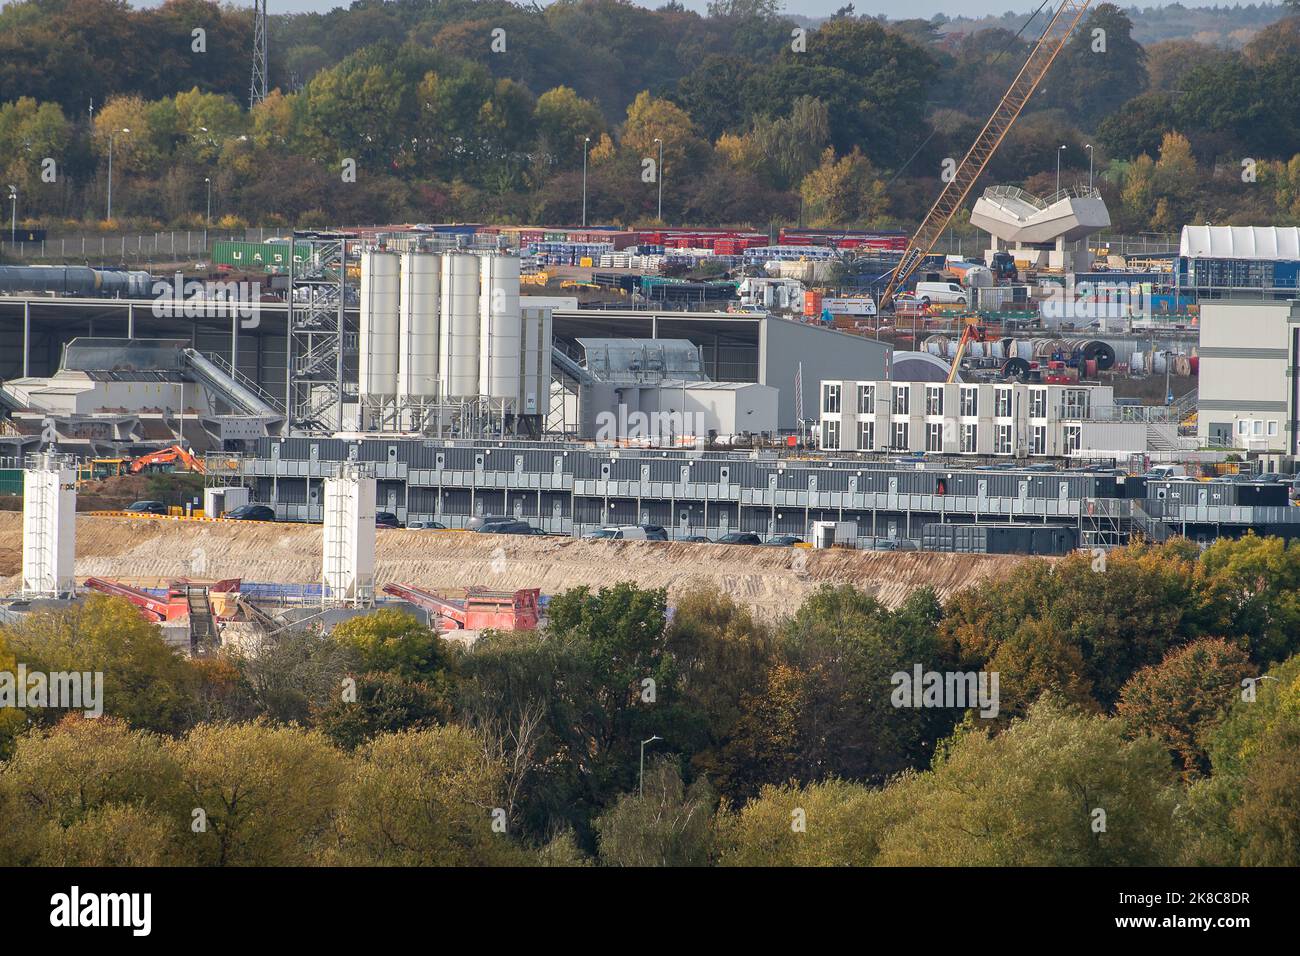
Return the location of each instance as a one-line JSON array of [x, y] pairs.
[[11, 481], [269, 257]]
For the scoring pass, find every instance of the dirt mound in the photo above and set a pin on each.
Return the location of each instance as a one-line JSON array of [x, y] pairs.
[[112, 494], [771, 580]]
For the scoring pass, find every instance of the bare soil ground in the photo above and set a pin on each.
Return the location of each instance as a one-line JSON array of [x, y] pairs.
[[772, 581]]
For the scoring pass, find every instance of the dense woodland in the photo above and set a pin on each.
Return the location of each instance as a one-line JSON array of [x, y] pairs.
[[848, 126], [1160, 686]]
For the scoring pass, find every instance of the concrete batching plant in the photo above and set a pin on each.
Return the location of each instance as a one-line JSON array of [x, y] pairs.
[[445, 347]]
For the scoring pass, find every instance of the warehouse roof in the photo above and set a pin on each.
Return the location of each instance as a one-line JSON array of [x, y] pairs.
[[1240, 242]]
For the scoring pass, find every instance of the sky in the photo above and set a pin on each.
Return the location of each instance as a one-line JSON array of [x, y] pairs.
[[894, 9]]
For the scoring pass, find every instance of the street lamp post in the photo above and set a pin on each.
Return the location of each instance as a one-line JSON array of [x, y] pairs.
[[111, 137], [1088, 147], [659, 174], [1059, 150], [586, 145], [640, 785], [207, 221], [13, 221]]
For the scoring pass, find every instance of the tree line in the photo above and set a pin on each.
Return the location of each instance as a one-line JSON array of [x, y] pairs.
[[1146, 714], [482, 110]]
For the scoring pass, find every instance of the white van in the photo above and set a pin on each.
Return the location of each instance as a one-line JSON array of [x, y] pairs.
[[1165, 472], [941, 293]]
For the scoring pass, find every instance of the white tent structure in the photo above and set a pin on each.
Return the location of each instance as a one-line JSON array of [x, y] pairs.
[[1281, 243]]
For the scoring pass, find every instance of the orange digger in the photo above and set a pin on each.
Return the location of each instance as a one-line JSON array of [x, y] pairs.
[[166, 456]]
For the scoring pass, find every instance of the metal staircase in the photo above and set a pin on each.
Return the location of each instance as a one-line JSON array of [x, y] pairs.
[[203, 627]]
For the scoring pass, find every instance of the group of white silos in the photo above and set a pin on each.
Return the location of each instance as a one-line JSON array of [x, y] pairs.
[[441, 328]]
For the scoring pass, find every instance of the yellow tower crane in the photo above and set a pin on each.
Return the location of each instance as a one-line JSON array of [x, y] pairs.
[[968, 171]]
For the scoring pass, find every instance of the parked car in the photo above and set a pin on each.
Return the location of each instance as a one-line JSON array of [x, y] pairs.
[[147, 508], [425, 526], [655, 532], [626, 532], [479, 522], [784, 540], [386, 519], [698, 539], [251, 513], [740, 537], [885, 544], [512, 526], [1272, 477]]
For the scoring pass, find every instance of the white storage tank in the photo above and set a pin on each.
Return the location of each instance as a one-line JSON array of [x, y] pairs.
[[458, 335], [348, 534], [49, 527], [419, 321], [500, 332], [378, 345]]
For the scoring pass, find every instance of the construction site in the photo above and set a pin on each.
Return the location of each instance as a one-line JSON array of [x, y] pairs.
[[835, 393]]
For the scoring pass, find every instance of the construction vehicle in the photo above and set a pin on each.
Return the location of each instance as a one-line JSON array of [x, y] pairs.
[[973, 164], [97, 469], [1004, 267], [970, 333], [479, 610], [186, 600], [164, 457]]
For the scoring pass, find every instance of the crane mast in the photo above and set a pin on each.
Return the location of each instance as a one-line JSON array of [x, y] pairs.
[[972, 166]]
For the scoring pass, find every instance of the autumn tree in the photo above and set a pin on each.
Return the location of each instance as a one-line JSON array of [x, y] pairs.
[[145, 681], [843, 192], [1244, 812], [1181, 700]]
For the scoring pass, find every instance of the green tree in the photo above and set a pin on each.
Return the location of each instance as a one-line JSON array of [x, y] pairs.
[[1054, 789], [564, 120], [395, 642], [1100, 68], [144, 680], [385, 703], [1259, 579], [829, 823], [91, 791], [669, 824], [424, 798], [267, 795]]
